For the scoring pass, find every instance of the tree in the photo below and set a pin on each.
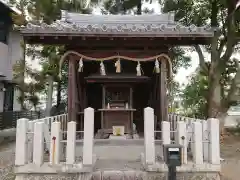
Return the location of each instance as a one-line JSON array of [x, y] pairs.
[[214, 13], [194, 96], [19, 67], [48, 11]]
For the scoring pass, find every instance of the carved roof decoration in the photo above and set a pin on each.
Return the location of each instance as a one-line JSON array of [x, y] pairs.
[[76, 24]]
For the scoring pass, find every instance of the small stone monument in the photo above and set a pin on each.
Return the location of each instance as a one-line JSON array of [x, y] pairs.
[[118, 130], [118, 133], [232, 120]]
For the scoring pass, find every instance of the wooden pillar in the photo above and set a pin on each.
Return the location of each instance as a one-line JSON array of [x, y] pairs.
[[163, 91], [71, 90]]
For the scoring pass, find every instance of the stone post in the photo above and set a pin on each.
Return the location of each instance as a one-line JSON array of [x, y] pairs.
[[21, 142], [149, 140], [55, 148], [46, 132], [38, 144], [30, 141], [88, 136], [166, 132], [214, 146], [197, 143], [182, 139], [71, 142], [205, 138]]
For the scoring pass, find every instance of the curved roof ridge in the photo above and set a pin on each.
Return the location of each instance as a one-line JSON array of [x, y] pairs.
[[154, 18]]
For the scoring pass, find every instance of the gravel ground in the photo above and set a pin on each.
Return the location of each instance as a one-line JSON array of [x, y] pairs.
[[230, 152], [6, 161]]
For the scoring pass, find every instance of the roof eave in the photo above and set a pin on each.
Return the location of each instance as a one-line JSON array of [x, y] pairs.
[[12, 9]]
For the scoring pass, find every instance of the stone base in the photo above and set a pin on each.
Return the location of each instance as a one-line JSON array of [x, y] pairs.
[[184, 168], [117, 137], [62, 168], [119, 175]]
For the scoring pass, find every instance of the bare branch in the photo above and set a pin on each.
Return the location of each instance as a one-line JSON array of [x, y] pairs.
[[222, 45], [234, 85], [201, 58], [231, 32]]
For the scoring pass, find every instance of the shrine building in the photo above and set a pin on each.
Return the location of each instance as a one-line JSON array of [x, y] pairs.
[[117, 64]]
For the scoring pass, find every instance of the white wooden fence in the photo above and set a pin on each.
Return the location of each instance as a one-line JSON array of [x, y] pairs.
[[189, 122], [63, 119], [199, 138], [32, 150]]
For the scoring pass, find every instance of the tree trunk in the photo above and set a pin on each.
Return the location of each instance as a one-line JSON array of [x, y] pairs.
[[22, 80], [59, 97], [214, 76], [139, 7], [49, 96], [214, 96]]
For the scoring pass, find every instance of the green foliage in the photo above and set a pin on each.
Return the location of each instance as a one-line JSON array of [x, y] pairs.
[[40, 11], [194, 96], [221, 69], [179, 58]]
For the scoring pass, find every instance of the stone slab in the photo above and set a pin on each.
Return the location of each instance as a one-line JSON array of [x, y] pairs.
[[113, 137], [47, 168], [189, 167]]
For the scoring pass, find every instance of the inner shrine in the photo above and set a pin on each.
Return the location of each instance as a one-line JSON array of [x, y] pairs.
[[117, 64]]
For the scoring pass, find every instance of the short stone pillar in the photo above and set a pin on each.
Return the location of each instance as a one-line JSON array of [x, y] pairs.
[[21, 142], [30, 141], [149, 137], [182, 138], [214, 146], [190, 132], [38, 143], [46, 132], [166, 132], [197, 143], [55, 148], [71, 142], [88, 136], [205, 139]]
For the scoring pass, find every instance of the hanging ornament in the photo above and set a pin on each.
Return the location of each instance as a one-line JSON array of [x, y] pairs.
[[60, 75], [80, 65], [157, 66], [138, 68], [118, 66], [102, 69]]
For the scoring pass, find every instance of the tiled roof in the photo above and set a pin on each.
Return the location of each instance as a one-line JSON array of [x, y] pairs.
[[156, 25]]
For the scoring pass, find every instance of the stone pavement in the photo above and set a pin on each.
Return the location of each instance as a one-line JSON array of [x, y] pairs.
[[230, 167]]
